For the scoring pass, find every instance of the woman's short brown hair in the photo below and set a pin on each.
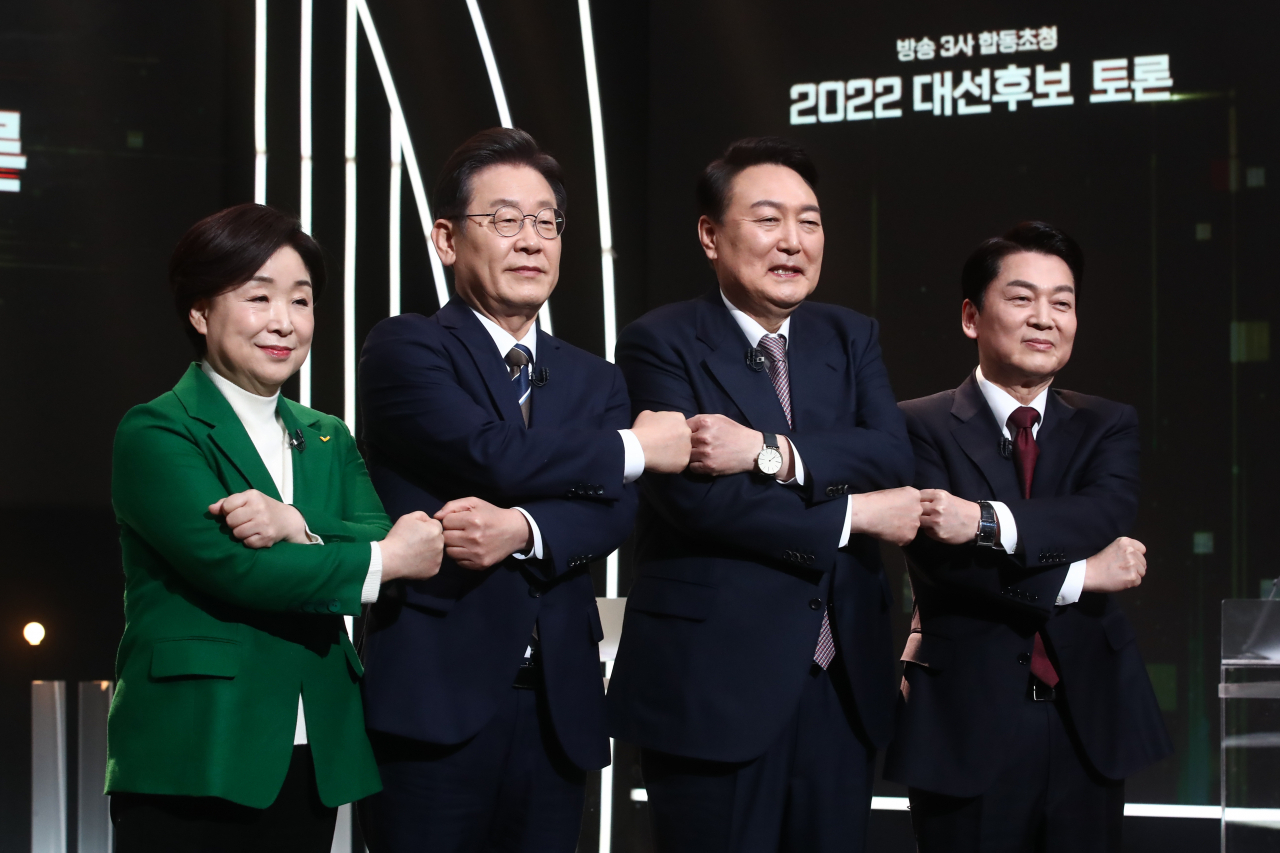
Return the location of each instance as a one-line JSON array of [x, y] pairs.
[[224, 250]]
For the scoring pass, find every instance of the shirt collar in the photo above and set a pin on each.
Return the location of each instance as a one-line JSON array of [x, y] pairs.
[[753, 330], [1002, 404], [249, 407], [504, 340]]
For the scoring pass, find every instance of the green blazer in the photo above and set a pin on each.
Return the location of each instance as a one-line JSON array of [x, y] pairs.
[[220, 638]]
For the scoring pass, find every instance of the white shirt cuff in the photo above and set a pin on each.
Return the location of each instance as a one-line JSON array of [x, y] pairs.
[[797, 466], [632, 462], [373, 580], [848, 523], [1072, 586], [536, 553], [1008, 527], [312, 539]]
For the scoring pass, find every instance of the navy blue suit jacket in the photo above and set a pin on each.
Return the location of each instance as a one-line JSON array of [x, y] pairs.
[[977, 609], [735, 571], [440, 421]]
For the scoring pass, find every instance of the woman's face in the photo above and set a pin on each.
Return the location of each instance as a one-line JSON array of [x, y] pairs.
[[259, 333]]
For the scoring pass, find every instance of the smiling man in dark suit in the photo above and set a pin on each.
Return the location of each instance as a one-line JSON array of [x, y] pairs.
[[483, 689], [1025, 702], [755, 666]]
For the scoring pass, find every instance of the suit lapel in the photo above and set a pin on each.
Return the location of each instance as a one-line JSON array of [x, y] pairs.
[[457, 316], [550, 400], [311, 463], [1058, 438], [979, 435], [809, 369], [751, 390], [204, 402]]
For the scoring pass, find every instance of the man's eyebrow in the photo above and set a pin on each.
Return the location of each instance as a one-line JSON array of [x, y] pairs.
[[765, 202], [503, 202], [1061, 288]]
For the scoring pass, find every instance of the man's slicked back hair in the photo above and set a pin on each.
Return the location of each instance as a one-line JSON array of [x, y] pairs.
[[717, 178], [983, 266], [495, 146]]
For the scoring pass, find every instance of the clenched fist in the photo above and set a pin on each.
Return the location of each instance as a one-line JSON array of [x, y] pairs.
[[892, 514], [723, 446], [664, 437], [948, 518], [1120, 565], [412, 549], [260, 521], [478, 534]]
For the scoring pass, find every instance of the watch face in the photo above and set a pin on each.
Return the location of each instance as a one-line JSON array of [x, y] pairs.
[[769, 461]]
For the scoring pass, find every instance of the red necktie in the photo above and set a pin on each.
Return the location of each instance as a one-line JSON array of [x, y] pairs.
[[1025, 453]]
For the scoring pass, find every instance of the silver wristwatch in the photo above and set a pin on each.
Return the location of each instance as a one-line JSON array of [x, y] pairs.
[[769, 461]]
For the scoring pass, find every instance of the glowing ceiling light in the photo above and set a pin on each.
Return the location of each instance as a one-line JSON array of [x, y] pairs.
[[260, 102], [33, 632]]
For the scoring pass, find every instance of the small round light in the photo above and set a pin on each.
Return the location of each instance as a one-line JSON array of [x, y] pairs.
[[34, 632]]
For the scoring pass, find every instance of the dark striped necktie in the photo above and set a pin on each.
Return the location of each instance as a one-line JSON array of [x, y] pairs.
[[518, 361]]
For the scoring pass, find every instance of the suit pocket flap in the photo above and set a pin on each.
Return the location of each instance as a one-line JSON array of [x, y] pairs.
[[670, 597], [1120, 631], [928, 650], [195, 656]]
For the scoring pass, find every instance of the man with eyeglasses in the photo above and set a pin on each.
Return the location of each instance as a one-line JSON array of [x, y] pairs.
[[756, 668], [483, 689]]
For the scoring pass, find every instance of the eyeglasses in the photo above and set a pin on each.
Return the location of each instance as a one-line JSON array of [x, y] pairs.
[[508, 221]]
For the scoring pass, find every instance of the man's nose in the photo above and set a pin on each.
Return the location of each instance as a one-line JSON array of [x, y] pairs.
[[789, 240], [528, 240]]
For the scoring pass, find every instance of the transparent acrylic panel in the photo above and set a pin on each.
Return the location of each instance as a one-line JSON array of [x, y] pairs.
[[1249, 696]]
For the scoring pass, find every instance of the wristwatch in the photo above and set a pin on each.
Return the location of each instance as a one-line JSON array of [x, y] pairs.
[[770, 459], [987, 525]]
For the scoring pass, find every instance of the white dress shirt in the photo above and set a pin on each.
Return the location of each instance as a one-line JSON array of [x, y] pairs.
[[633, 453], [754, 332], [261, 420], [1002, 405]]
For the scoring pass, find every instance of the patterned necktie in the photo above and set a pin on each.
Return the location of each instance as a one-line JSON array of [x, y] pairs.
[[1025, 454], [518, 361], [775, 347]]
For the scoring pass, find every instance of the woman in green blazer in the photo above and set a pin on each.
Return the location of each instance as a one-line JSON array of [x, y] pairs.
[[249, 529]]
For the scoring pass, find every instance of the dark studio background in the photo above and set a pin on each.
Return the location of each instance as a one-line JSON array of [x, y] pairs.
[[137, 121]]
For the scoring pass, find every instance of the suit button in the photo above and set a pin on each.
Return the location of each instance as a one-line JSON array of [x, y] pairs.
[[335, 606], [1024, 658], [599, 491], [533, 593], [831, 491], [815, 604]]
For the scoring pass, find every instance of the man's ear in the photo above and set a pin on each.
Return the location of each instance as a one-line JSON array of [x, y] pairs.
[[969, 319], [707, 236], [444, 234], [199, 316]]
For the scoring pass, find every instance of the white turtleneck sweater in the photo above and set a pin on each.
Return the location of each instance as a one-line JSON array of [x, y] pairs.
[[261, 420]]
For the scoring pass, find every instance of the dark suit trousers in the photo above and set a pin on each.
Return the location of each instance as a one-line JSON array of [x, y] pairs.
[[508, 788], [1048, 798], [297, 822], [809, 793]]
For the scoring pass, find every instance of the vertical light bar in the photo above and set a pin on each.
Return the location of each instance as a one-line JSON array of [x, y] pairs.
[[342, 831], [260, 101], [349, 231], [602, 179], [605, 845], [406, 147], [393, 224], [490, 63], [304, 145], [48, 767], [93, 822]]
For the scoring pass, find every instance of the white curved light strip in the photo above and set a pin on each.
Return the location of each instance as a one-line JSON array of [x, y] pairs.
[[304, 146], [406, 146], [602, 180], [260, 101], [349, 231], [504, 112]]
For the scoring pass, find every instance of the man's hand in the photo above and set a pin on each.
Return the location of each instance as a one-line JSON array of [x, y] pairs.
[[478, 534], [722, 446], [412, 549], [1120, 565], [948, 518], [259, 521], [892, 514], [664, 437]]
